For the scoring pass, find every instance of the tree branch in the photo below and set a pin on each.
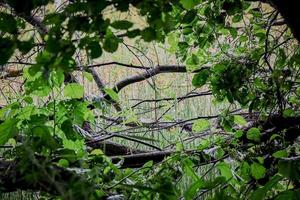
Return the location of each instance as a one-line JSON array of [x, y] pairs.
[[100, 84], [112, 149]]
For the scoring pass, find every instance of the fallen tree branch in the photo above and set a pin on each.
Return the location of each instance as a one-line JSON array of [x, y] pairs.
[[111, 148], [106, 137], [138, 160], [275, 124]]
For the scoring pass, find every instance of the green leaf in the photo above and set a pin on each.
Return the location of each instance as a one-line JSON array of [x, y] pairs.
[[254, 134], [192, 190], [238, 134], [189, 16], [148, 34], [74, 91], [200, 125], [57, 77], [111, 42], [26, 112], [94, 49], [7, 130], [289, 195], [25, 46], [204, 144], [7, 48], [133, 33], [63, 163], [112, 94], [221, 195], [290, 169], [245, 171], [243, 38], [201, 78], [192, 62], [188, 169], [258, 171], [42, 133], [122, 24], [188, 4], [225, 170], [88, 76], [148, 164], [8, 23], [233, 32], [260, 193], [288, 113], [219, 153], [38, 86], [239, 120], [187, 30], [168, 117], [237, 18], [260, 159], [28, 99], [280, 154], [44, 57], [77, 146], [97, 152]]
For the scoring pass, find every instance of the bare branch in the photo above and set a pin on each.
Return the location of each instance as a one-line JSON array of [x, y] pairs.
[[147, 74]]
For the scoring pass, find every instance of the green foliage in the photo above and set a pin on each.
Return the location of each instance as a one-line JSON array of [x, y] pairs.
[[289, 169], [254, 134], [240, 120], [189, 16], [95, 49], [111, 42], [122, 24], [7, 48], [201, 78], [261, 193], [224, 42], [7, 130], [280, 154], [200, 125], [74, 90], [189, 4], [111, 93], [225, 170], [258, 171], [289, 194], [8, 23]]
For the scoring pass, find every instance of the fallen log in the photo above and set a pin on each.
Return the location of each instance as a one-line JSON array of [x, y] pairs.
[[113, 149], [138, 160]]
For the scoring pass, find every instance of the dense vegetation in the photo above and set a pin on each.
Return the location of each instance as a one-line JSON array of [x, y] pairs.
[[58, 141]]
